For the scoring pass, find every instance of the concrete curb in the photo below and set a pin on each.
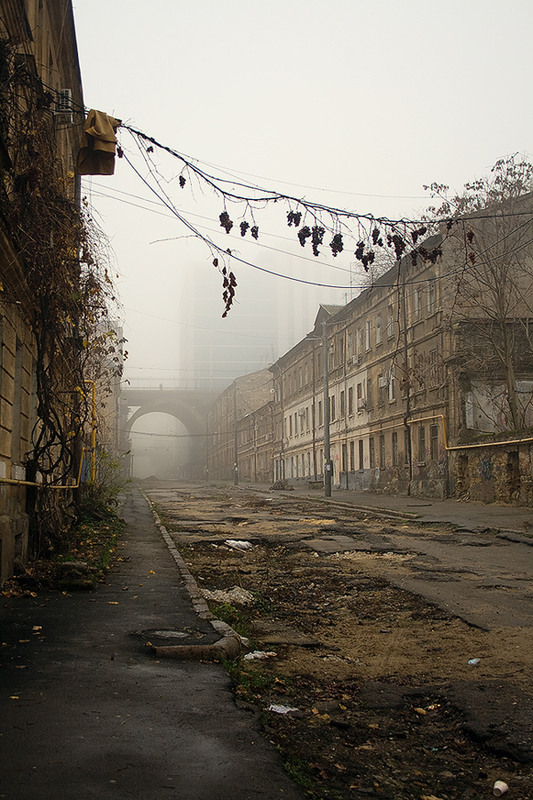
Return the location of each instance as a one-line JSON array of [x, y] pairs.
[[226, 645]]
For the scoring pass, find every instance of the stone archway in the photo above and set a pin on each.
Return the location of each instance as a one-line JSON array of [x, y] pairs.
[[190, 408]]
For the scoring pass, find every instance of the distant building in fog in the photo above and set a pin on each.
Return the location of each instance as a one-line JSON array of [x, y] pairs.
[[267, 319]]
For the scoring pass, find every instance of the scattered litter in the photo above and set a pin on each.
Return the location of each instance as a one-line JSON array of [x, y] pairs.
[[236, 596], [260, 655], [473, 662], [499, 788], [421, 711], [238, 544], [384, 630], [281, 709]]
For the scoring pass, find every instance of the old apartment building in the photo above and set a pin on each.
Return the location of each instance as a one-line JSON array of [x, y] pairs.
[[239, 430], [430, 373], [44, 398]]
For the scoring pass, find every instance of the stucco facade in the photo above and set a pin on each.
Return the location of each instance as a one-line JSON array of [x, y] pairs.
[[430, 388], [238, 430]]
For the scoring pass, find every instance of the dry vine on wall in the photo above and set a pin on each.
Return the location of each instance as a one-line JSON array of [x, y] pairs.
[[62, 258]]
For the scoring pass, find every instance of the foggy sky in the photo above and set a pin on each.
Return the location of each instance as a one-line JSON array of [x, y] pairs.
[[353, 104]]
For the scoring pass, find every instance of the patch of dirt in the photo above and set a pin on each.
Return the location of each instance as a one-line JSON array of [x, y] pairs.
[[388, 705]]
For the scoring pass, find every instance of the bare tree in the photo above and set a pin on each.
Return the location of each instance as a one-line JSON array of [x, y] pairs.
[[489, 230]]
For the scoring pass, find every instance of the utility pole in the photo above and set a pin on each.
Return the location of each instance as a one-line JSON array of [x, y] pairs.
[[235, 440], [407, 427], [327, 455]]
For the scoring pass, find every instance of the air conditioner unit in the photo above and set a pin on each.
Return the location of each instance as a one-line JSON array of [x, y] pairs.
[[63, 108], [383, 381]]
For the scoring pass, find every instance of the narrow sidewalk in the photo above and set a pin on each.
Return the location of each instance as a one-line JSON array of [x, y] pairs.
[[88, 712], [470, 515]]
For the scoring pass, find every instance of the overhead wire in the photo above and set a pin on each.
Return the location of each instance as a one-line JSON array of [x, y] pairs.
[[224, 253]]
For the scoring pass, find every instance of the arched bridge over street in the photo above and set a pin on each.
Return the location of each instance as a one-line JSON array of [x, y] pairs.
[[190, 406]]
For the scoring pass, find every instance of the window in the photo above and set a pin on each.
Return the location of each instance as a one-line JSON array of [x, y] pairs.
[[349, 345], [301, 422], [361, 454], [340, 349], [378, 329], [382, 462], [343, 405], [350, 401], [344, 457], [369, 398], [433, 371], [371, 453], [421, 443], [307, 427], [434, 442], [352, 456], [432, 295], [368, 335], [390, 323], [309, 463], [360, 397], [382, 387], [407, 446], [320, 413], [358, 341], [290, 426], [295, 424], [394, 443], [392, 386], [418, 302], [332, 408]]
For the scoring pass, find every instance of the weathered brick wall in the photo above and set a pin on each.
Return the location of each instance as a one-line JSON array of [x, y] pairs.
[[494, 474], [16, 422]]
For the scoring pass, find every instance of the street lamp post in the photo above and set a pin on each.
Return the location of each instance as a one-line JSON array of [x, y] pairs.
[[327, 454]]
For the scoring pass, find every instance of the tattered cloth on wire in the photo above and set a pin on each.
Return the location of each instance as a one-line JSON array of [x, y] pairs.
[[98, 147]]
